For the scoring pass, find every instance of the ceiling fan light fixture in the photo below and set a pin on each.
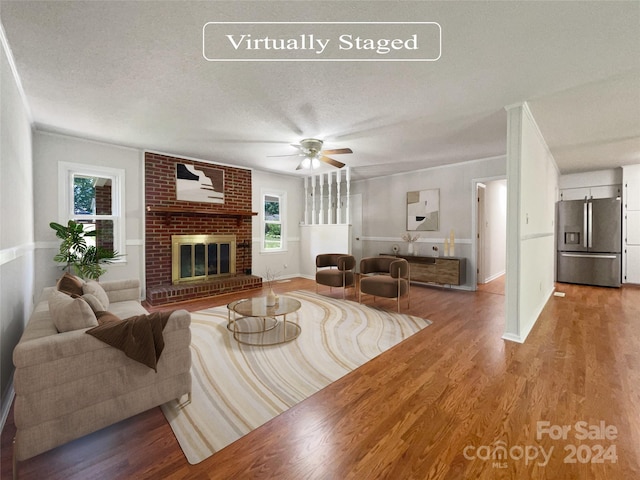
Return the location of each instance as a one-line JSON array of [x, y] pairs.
[[313, 155]]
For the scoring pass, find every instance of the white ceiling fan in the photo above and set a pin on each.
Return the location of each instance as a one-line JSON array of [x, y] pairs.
[[311, 150]]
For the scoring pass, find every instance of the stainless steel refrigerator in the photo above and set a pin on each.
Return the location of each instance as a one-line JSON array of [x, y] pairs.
[[589, 241]]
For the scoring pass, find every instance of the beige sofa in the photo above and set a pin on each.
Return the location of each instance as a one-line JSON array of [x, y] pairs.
[[70, 384]]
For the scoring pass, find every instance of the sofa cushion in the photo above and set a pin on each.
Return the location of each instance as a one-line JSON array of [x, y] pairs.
[[70, 284], [95, 304], [70, 313], [94, 288]]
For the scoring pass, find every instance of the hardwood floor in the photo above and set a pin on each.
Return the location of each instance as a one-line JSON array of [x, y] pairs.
[[433, 407], [496, 286]]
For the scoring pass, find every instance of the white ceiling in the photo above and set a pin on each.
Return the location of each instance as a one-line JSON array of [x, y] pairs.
[[132, 73]]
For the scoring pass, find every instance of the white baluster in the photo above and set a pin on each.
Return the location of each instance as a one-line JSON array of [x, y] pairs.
[[330, 217], [321, 219], [313, 201], [348, 195], [338, 200], [306, 200]]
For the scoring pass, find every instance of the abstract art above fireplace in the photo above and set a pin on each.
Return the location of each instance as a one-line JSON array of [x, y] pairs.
[[201, 184]]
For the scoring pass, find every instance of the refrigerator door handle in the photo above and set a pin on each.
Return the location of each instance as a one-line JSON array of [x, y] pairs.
[[590, 222], [584, 224], [578, 255]]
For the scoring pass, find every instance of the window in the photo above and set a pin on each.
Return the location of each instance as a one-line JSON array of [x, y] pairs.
[[93, 196], [273, 210]]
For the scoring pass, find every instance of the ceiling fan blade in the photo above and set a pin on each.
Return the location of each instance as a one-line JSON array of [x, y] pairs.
[[336, 151], [299, 167], [332, 162]]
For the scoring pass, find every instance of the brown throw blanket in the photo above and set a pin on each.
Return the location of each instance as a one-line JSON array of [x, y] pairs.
[[139, 337]]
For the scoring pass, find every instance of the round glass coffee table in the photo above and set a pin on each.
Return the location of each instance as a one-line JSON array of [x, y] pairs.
[[255, 323]]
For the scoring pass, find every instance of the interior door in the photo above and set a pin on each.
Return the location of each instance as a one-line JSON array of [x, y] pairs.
[[481, 278], [356, 227]]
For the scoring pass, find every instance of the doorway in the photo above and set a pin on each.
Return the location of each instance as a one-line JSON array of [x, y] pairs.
[[355, 218], [490, 234]]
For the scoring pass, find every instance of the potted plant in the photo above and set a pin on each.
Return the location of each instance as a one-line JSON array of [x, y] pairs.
[[79, 258]]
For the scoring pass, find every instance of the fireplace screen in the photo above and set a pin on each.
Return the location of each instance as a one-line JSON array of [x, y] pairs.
[[202, 257]]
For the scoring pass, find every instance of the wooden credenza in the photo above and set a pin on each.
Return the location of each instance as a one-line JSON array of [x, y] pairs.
[[442, 270]]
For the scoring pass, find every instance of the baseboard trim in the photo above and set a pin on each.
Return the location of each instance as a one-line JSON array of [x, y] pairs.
[[494, 276], [512, 337]]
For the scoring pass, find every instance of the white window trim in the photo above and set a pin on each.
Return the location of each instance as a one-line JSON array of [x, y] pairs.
[[283, 220], [66, 171]]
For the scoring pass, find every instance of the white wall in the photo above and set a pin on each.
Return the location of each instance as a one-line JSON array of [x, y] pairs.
[[287, 263], [50, 149], [384, 207], [16, 222], [532, 178], [317, 239]]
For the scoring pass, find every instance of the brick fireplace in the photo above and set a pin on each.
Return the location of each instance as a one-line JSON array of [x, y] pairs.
[[167, 217]]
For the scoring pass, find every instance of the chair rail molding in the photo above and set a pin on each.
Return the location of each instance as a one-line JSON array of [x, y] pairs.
[[12, 253]]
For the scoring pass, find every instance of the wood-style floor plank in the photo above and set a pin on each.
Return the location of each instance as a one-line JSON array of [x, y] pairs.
[[413, 412]]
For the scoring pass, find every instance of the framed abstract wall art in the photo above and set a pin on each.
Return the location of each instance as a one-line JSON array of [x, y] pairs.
[[201, 184], [423, 210]]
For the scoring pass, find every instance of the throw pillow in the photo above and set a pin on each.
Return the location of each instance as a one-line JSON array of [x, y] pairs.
[[106, 317], [70, 313], [94, 288], [70, 284], [94, 303]]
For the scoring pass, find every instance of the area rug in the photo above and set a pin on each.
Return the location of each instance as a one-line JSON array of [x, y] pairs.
[[237, 388]]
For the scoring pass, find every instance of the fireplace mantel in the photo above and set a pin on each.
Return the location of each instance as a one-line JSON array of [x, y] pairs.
[[169, 211]]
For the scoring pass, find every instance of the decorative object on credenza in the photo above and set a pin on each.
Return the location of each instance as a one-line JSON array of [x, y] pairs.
[[202, 184], [410, 239], [423, 210], [80, 258], [452, 244]]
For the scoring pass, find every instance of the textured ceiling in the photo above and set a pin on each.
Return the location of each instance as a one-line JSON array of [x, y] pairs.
[[133, 73]]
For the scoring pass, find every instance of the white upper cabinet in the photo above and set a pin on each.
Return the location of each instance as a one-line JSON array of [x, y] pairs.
[[631, 179], [600, 191], [631, 224]]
